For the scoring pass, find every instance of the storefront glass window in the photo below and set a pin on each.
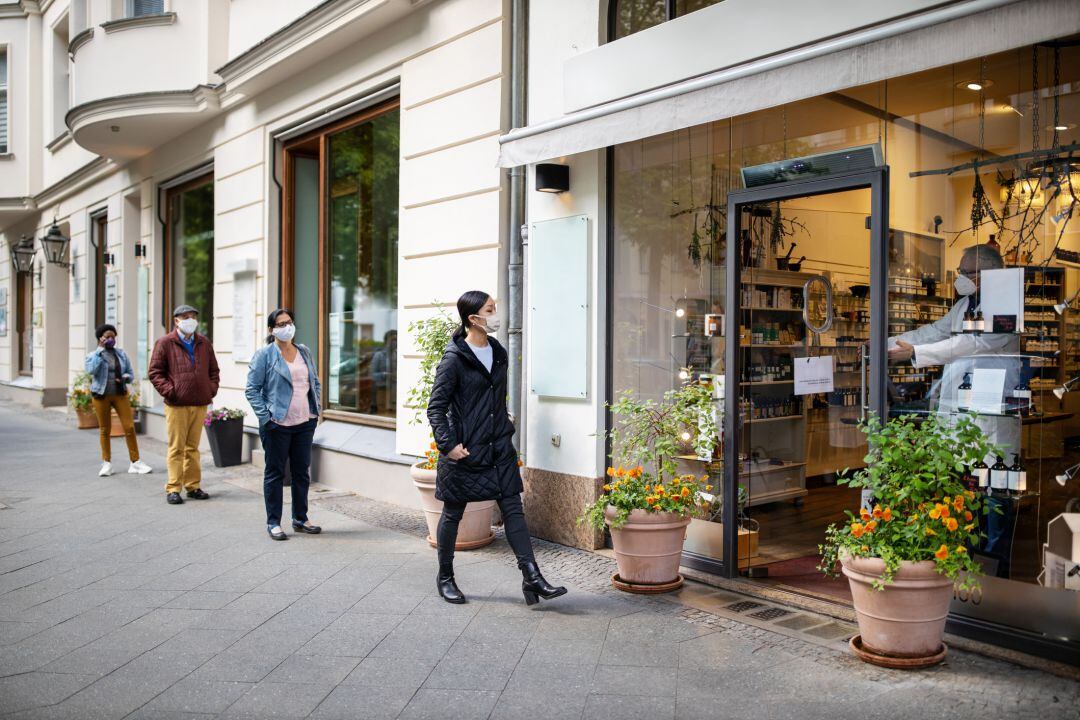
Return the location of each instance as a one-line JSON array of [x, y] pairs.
[[943, 134], [631, 16], [191, 250], [362, 241]]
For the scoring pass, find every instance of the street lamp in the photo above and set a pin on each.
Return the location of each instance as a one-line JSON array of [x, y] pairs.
[[22, 255], [1067, 475], [55, 246]]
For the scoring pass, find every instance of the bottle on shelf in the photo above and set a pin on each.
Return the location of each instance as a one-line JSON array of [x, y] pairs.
[[1022, 397], [999, 475], [980, 322], [982, 474], [1017, 475], [963, 393], [968, 325]]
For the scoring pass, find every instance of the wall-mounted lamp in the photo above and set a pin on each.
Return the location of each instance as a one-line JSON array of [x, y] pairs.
[[140, 250], [1059, 392], [22, 255], [108, 259], [54, 244], [1067, 475], [552, 178], [1060, 308]]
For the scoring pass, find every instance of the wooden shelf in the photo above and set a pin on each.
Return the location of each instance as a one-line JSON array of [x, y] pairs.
[[771, 309], [755, 421], [769, 382]]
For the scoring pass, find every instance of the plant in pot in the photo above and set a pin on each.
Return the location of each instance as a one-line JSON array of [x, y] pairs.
[[904, 553], [647, 503], [138, 416], [431, 336], [225, 431], [81, 401]]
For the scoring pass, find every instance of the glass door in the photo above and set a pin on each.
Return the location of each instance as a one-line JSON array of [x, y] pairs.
[[800, 374]]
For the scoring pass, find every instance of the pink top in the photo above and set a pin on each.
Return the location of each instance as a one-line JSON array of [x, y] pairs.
[[299, 409]]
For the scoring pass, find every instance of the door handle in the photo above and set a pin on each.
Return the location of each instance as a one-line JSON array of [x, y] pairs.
[[864, 351]]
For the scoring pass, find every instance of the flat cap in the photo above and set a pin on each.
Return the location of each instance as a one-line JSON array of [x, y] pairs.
[[181, 309]]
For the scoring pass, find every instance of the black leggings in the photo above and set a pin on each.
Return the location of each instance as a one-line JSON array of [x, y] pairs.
[[517, 532]]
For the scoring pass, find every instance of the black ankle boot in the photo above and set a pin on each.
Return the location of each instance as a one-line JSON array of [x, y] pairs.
[[534, 586], [447, 587]]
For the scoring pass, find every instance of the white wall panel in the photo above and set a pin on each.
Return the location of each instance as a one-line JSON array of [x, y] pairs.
[[452, 119], [239, 189], [462, 169], [465, 222], [443, 278], [452, 66], [238, 226]]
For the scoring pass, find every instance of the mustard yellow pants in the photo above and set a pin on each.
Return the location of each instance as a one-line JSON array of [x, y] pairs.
[[183, 424], [103, 408]]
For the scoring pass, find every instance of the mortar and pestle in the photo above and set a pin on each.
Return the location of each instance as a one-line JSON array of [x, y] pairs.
[[796, 266], [782, 263]]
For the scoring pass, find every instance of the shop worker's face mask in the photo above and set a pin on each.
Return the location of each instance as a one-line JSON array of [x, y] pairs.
[[964, 285]]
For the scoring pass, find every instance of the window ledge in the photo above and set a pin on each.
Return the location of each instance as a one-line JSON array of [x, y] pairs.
[[139, 22], [79, 40], [7, 156], [59, 141]]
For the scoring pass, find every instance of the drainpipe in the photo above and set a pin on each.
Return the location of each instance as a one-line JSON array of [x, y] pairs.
[[515, 223]]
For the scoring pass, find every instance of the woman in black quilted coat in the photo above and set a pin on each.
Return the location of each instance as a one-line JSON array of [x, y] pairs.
[[477, 459]]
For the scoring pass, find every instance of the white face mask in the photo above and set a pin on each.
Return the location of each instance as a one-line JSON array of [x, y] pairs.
[[284, 334], [188, 325], [964, 285], [492, 323]]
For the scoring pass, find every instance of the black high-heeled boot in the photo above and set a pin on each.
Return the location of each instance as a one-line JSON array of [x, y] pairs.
[[534, 586], [448, 589]]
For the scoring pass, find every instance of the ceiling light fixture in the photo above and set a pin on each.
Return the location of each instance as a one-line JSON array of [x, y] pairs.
[[1059, 392], [1067, 475], [974, 85]]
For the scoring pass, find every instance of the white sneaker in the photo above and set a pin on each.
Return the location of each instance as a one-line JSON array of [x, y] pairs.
[[106, 469], [139, 468]]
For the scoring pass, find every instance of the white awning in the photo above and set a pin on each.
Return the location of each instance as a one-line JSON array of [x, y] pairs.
[[921, 42]]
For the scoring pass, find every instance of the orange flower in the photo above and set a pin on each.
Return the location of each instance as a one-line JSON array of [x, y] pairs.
[[944, 511], [935, 513], [970, 494], [708, 488], [434, 446], [607, 488], [865, 548], [864, 513], [877, 511], [520, 462], [951, 524], [886, 514], [676, 481], [961, 549], [651, 500], [685, 492], [942, 552], [948, 499], [636, 472], [610, 471], [871, 526], [958, 503], [968, 515], [857, 530]]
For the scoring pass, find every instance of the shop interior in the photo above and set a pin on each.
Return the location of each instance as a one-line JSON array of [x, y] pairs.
[[982, 153]]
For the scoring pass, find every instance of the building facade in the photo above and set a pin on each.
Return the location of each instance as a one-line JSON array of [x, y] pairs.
[[758, 191], [337, 158]]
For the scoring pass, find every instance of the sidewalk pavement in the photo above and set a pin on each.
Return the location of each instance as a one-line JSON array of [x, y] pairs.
[[114, 604]]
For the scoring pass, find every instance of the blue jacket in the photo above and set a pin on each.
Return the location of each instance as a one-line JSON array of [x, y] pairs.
[[99, 370], [269, 384]]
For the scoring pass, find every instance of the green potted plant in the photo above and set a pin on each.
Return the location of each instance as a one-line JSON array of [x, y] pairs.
[[81, 401], [431, 336], [904, 554], [225, 431], [647, 503], [138, 416]]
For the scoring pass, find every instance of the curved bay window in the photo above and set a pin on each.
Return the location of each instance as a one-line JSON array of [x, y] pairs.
[[340, 258], [627, 17]]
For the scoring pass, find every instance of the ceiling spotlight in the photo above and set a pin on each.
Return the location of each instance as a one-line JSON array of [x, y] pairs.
[[679, 312], [1060, 308], [685, 435], [1067, 475], [1062, 127], [974, 85]]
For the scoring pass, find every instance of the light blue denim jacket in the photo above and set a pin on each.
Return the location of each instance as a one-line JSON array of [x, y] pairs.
[[269, 383], [99, 370]]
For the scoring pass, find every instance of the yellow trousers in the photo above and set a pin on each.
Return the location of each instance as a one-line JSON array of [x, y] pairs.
[[103, 408], [184, 425]]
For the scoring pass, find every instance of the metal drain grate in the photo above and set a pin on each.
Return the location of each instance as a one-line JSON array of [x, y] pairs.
[[770, 613], [743, 606]]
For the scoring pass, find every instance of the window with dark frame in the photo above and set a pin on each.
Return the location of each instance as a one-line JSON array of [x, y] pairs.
[[626, 17], [139, 8], [99, 242], [339, 258], [4, 135], [189, 250]]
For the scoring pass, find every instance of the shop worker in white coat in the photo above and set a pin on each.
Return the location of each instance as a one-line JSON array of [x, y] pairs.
[[942, 343]]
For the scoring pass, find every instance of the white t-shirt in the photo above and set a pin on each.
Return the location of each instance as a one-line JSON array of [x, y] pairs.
[[483, 354]]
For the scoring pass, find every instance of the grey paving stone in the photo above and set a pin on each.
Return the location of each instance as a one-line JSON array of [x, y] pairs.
[[642, 654], [631, 680], [546, 677], [383, 602], [571, 651], [352, 635], [349, 702], [192, 695], [723, 650], [391, 672], [462, 704], [38, 689], [518, 705], [202, 600], [278, 700], [452, 674], [12, 632], [317, 669], [630, 707], [249, 666]]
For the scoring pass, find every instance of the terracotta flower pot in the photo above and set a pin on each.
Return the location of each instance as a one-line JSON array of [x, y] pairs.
[[474, 530], [907, 618], [117, 428], [86, 419], [649, 546]]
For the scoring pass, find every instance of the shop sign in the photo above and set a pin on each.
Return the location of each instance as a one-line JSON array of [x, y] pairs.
[[111, 297]]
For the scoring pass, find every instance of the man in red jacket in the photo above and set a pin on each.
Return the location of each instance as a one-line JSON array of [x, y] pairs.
[[184, 370]]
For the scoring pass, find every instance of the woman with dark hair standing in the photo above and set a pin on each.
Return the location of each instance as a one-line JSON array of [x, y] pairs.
[[284, 391], [477, 459], [110, 373]]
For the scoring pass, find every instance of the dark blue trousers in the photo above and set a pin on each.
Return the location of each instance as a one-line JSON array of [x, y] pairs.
[[292, 445]]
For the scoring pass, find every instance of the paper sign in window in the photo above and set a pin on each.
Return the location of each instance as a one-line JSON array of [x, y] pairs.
[[987, 389], [813, 375]]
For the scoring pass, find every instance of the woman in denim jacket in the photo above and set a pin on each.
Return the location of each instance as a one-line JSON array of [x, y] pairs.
[[284, 391], [110, 373]]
